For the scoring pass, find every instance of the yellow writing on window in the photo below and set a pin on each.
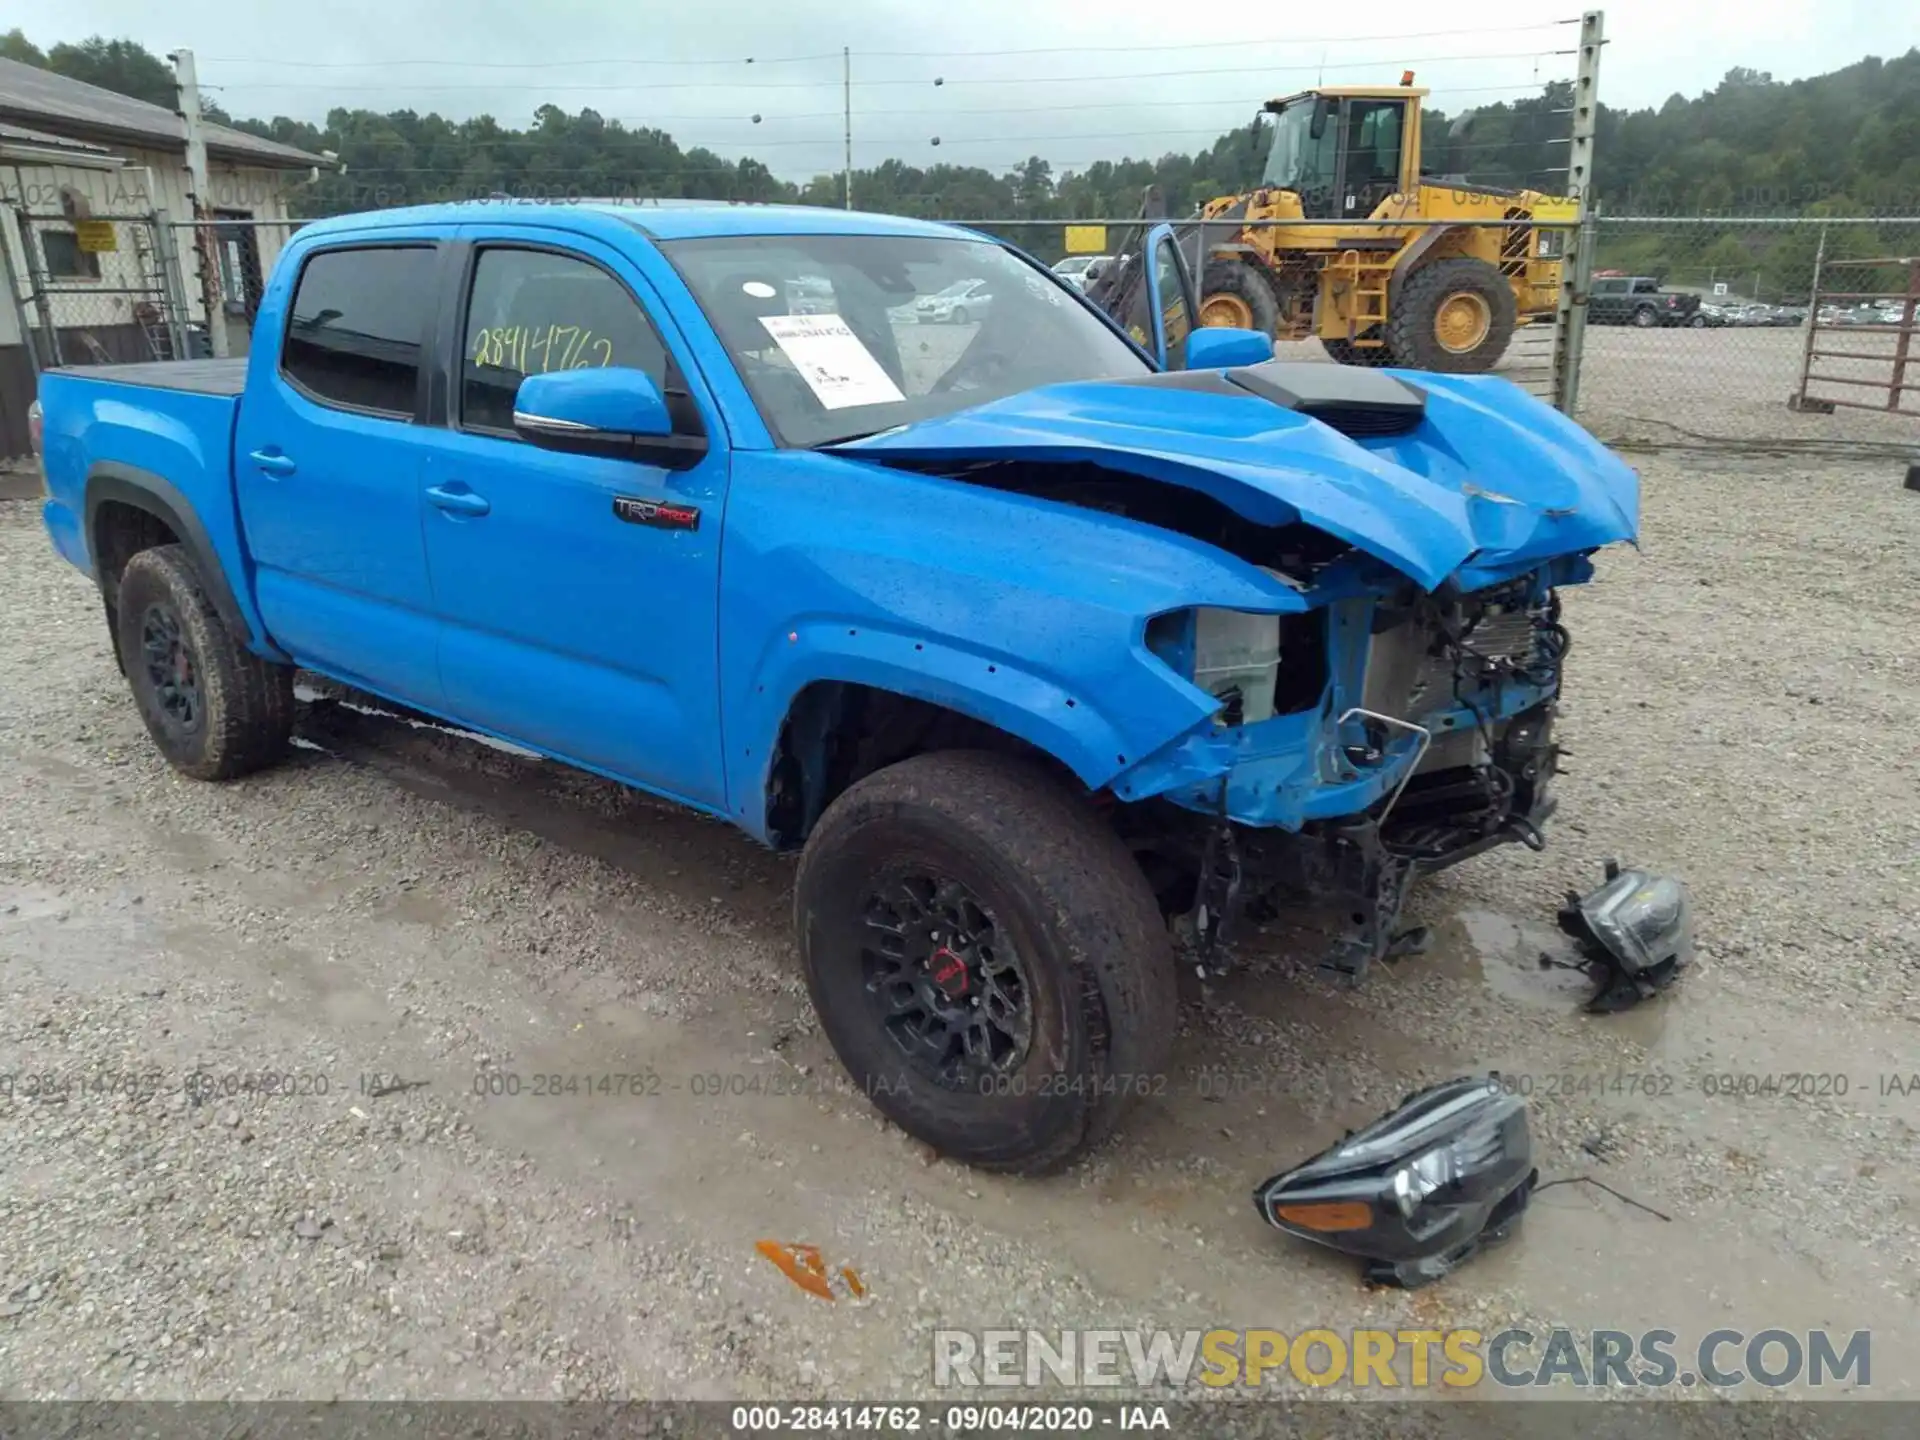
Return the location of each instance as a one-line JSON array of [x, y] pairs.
[[536, 349]]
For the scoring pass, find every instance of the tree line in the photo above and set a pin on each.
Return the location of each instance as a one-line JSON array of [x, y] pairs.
[[1847, 142]]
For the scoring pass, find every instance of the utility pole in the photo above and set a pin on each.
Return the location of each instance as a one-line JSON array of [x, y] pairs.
[[846, 98], [1576, 265], [186, 89]]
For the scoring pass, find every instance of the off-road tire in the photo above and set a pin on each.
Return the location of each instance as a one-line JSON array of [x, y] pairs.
[[1645, 317], [1696, 322], [243, 720], [1073, 903], [1238, 278], [1412, 337]]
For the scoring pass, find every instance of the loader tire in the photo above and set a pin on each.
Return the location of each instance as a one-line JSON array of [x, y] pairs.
[[215, 710], [986, 958], [1236, 293], [1455, 315]]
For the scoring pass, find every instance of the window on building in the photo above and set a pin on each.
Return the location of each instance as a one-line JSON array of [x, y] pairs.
[[63, 258]]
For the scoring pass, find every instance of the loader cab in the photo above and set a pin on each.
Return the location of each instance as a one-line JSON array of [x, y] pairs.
[[1343, 151]]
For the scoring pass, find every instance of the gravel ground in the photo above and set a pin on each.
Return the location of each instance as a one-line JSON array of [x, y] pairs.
[[410, 927]]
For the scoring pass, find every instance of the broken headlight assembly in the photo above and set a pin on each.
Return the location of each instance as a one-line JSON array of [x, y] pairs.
[[1421, 1190], [1636, 932], [1233, 655]]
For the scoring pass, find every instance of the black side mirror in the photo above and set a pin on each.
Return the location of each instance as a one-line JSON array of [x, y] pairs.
[[1322, 108]]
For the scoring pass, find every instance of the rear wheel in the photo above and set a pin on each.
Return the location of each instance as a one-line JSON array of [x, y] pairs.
[[959, 316], [986, 958], [215, 709], [1235, 293], [1698, 322], [1645, 318], [1452, 315]]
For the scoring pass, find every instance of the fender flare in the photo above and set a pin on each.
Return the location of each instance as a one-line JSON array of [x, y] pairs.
[[1410, 259], [995, 690], [109, 480]]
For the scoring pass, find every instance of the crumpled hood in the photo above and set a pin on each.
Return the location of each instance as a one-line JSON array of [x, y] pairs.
[[1489, 483]]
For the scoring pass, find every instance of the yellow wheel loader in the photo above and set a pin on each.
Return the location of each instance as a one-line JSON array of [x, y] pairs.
[[1422, 294]]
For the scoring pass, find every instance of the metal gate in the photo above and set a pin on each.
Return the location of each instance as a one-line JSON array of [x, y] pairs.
[[1864, 327], [101, 289]]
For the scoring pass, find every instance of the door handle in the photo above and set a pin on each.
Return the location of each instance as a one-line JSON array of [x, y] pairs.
[[460, 502], [273, 462]]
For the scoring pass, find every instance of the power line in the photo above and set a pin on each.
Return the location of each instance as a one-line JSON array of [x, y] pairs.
[[1532, 87], [884, 54], [653, 122], [1534, 55]]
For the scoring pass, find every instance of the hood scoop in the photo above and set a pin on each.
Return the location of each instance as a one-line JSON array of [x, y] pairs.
[[1359, 403]]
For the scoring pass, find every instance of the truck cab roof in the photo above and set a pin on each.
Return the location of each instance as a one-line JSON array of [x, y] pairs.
[[657, 220]]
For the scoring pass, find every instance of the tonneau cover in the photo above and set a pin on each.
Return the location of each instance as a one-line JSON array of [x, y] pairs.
[[202, 377]]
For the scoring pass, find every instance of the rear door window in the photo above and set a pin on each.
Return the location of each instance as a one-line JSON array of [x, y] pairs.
[[356, 325]]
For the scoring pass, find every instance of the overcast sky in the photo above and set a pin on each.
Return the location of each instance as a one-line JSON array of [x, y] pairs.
[[1123, 77]]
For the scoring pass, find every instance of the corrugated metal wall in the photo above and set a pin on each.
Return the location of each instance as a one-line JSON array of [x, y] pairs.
[[147, 182]]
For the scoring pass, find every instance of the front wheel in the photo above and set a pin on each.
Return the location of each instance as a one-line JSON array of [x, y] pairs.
[[1234, 293], [986, 958], [215, 709], [1454, 315]]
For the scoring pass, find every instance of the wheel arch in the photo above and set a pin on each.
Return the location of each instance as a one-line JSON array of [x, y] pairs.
[[850, 714], [1434, 242], [128, 510]]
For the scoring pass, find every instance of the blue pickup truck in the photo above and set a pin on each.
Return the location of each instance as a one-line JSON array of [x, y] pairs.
[[1042, 638]]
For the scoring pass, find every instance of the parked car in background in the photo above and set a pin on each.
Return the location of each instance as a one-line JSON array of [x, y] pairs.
[[1638, 300], [959, 304], [1081, 270], [1711, 314], [1862, 314], [1789, 315]]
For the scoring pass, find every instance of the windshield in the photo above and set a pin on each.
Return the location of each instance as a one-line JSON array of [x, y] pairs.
[[861, 358], [1296, 160]]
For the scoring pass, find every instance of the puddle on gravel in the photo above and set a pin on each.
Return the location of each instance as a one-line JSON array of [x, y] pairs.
[[1508, 951]]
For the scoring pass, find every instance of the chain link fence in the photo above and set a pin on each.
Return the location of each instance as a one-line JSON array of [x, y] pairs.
[[225, 267], [95, 290], [1700, 330], [1328, 291], [1713, 331]]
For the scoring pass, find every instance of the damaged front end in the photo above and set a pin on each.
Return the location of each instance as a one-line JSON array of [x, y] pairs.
[[1388, 709], [1410, 732]]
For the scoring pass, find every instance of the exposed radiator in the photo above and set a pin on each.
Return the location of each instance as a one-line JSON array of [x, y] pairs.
[[1410, 671]]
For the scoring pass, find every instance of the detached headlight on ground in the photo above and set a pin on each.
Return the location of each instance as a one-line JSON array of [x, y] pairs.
[[1637, 930], [1419, 1191]]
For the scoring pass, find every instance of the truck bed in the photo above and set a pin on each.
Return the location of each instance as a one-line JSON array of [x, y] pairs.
[[201, 377]]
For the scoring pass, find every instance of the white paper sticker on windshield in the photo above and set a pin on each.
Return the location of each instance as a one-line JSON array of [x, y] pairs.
[[830, 358], [759, 289]]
